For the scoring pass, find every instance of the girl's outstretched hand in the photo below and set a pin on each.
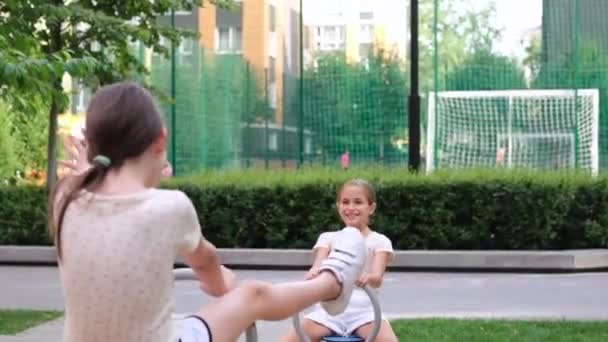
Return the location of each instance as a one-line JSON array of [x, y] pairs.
[[313, 272], [370, 279], [363, 280], [76, 150]]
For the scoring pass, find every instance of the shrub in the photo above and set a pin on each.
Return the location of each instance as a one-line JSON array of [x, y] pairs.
[[23, 216], [477, 209]]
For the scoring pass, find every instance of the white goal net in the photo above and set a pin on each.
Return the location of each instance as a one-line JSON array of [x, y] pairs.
[[537, 129]]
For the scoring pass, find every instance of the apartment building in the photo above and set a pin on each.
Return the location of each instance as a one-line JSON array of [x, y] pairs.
[[265, 32], [355, 27]]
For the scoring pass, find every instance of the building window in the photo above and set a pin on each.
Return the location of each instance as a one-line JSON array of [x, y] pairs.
[[237, 39], [366, 15], [186, 50], [365, 49], [272, 95], [224, 39], [272, 73], [230, 39], [331, 37], [273, 141], [308, 145], [366, 33], [186, 47], [273, 21], [329, 33]]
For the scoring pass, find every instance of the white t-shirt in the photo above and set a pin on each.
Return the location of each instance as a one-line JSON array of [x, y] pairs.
[[118, 254], [374, 241]]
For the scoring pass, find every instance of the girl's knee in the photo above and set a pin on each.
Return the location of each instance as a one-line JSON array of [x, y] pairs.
[[253, 289], [386, 333], [291, 336], [387, 338]]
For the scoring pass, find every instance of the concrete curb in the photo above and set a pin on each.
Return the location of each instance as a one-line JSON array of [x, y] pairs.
[[568, 260], [436, 260]]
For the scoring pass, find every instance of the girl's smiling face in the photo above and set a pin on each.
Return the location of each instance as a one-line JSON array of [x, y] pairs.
[[355, 207]]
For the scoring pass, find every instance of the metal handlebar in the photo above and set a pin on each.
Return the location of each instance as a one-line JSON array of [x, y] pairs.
[[181, 274], [377, 318]]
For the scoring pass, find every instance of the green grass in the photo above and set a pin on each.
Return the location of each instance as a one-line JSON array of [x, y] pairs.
[[441, 330], [15, 321]]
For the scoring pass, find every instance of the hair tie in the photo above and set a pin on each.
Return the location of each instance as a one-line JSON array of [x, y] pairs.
[[102, 160]]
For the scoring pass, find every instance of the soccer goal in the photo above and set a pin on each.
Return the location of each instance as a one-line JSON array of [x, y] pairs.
[[537, 129]]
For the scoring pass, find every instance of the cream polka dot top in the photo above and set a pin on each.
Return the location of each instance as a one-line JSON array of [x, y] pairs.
[[116, 266]]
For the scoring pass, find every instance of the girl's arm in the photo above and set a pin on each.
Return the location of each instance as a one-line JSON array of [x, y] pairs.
[[321, 250], [215, 279], [378, 267], [321, 254]]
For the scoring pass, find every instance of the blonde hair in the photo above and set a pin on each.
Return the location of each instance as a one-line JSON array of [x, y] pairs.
[[362, 183]]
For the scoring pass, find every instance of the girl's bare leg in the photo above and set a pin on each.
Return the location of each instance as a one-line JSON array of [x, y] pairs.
[[255, 300]]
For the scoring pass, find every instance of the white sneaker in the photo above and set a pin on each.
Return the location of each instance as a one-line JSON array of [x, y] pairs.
[[346, 262]]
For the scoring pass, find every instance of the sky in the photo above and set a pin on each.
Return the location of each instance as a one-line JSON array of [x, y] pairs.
[[513, 16], [516, 16]]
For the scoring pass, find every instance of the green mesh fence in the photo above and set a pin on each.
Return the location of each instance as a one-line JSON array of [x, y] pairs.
[[544, 108], [230, 112], [356, 108], [494, 93], [213, 97]]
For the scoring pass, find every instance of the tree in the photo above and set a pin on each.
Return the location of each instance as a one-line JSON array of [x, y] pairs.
[[356, 107], [532, 61], [584, 68], [461, 30], [88, 39], [208, 125], [8, 144], [485, 70]]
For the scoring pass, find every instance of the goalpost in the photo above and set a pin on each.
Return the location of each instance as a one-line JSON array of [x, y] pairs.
[[537, 129]]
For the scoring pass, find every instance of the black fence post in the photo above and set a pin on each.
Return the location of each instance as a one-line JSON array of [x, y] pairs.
[[414, 98]]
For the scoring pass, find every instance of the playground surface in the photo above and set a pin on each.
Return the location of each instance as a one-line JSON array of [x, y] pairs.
[[573, 296]]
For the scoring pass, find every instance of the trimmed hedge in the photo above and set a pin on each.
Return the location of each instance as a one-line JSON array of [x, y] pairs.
[[23, 215], [289, 209]]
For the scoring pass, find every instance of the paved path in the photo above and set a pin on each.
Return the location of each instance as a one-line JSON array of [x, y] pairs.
[[514, 296]]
